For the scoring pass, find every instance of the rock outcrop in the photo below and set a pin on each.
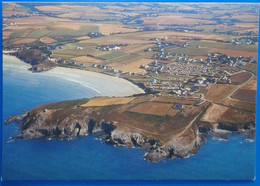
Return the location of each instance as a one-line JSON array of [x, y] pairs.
[[181, 147], [222, 129]]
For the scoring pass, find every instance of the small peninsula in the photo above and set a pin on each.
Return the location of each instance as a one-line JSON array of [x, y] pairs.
[[163, 127]]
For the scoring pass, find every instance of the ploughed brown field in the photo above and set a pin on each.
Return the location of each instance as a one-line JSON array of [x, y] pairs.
[[240, 104], [219, 113], [237, 116], [245, 94], [240, 78]]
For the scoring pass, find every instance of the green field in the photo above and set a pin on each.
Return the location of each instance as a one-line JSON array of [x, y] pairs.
[[112, 55], [18, 33], [127, 57], [190, 51], [39, 33]]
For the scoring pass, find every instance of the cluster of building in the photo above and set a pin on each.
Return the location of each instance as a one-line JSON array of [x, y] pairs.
[[186, 30], [207, 67], [204, 81], [54, 47], [215, 68], [244, 41], [16, 16], [223, 59], [182, 86], [176, 87], [162, 55], [181, 69], [162, 46], [107, 68], [249, 33], [108, 47], [8, 24], [95, 34], [225, 80]]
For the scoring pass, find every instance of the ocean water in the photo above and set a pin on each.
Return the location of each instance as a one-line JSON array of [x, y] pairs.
[[87, 158]]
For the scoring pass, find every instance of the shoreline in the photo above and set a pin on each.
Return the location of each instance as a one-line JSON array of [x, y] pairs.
[[103, 85]]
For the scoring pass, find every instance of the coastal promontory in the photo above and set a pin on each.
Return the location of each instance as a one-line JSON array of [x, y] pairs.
[[164, 127]]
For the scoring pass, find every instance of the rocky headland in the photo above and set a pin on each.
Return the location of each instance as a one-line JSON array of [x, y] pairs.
[[71, 119]]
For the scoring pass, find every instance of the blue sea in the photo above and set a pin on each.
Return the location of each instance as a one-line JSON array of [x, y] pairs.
[[87, 158]]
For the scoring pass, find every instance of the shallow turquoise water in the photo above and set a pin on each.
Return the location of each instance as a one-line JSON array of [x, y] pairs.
[[87, 158]]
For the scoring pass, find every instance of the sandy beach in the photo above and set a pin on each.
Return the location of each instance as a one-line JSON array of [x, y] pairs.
[[102, 84]]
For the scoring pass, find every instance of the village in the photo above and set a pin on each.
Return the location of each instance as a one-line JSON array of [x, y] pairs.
[[245, 41], [184, 77]]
